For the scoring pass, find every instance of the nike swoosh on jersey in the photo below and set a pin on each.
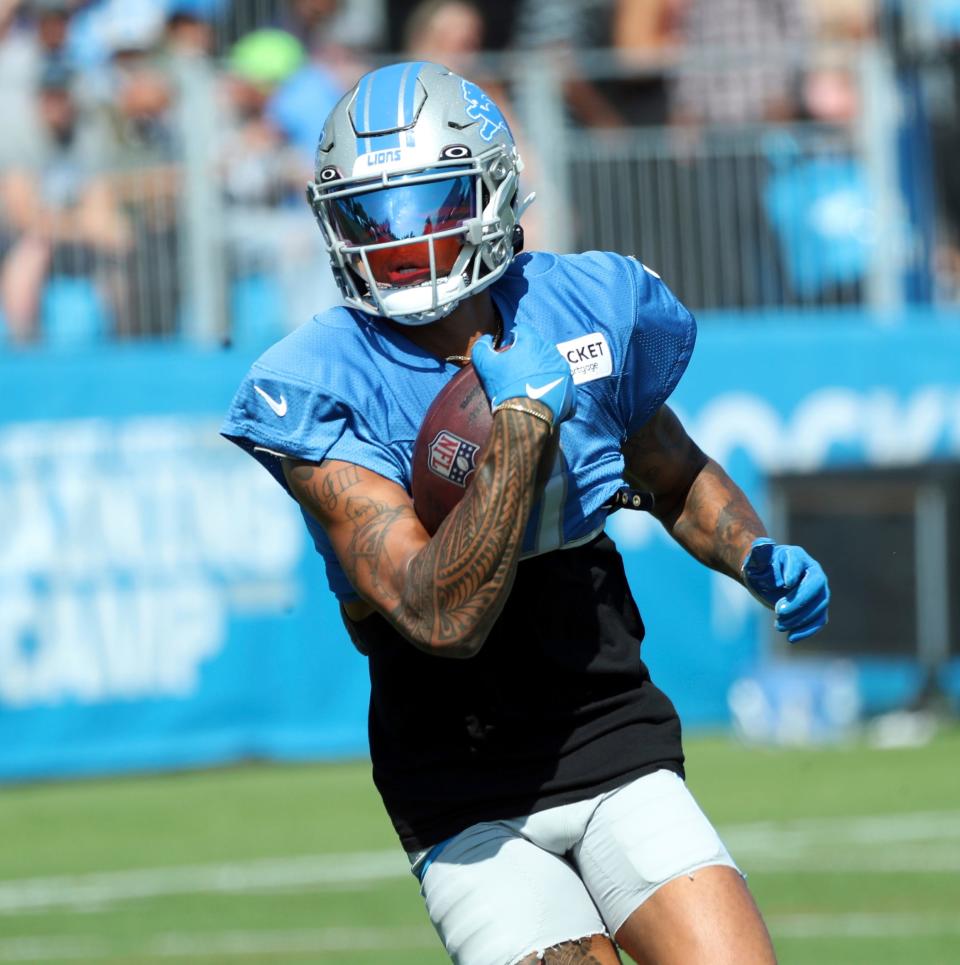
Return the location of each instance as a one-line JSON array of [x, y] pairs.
[[540, 392], [280, 408]]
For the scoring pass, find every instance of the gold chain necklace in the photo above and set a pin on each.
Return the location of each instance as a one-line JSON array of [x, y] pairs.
[[497, 339]]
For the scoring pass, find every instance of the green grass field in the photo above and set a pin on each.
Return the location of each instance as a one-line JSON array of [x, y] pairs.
[[853, 854]]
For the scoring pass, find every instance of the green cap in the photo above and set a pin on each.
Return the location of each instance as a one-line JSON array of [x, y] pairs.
[[266, 57]]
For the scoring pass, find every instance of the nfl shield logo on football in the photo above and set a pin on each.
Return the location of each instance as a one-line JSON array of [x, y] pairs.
[[452, 458]]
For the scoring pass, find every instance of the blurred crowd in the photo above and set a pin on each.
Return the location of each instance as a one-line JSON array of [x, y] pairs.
[[92, 94]]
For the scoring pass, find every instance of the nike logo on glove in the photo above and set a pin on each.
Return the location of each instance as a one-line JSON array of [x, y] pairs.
[[280, 408], [543, 390]]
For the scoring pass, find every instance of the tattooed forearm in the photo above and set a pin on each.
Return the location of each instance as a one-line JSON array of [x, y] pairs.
[[717, 523], [697, 502], [457, 584], [444, 593]]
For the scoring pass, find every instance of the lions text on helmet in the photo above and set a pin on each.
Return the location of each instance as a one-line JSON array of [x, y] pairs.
[[417, 192]]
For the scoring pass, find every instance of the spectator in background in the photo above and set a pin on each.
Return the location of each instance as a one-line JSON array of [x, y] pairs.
[[137, 94], [60, 215], [189, 30], [136, 101], [260, 168], [454, 29], [499, 23], [308, 20], [278, 271], [96, 24], [740, 68], [52, 20], [32, 34], [944, 64], [337, 33], [830, 90], [40, 30], [453, 33], [635, 29], [298, 105]]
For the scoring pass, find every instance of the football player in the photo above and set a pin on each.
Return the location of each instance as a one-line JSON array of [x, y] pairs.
[[532, 770]]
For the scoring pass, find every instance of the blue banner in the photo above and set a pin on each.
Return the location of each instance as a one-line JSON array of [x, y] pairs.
[[778, 394], [161, 604]]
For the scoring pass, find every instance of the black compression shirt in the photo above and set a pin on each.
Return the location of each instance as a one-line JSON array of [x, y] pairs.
[[557, 706]]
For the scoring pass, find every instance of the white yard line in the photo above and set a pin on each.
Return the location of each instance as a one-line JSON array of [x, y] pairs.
[[270, 874], [39, 948], [862, 925], [907, 843], [174, 945], [887, 828], [883, 844], [234, 944], [824, 859]]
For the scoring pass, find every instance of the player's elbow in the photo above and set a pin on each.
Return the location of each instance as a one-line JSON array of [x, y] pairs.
[[461, 646], [456, 640], [440, 627], [466, 648]]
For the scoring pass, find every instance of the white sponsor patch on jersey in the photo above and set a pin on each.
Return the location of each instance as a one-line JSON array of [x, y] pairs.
[[589, 357], [389, 159]]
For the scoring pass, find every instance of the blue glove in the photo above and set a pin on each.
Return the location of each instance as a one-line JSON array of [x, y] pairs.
[[530, 368], [791, 582]]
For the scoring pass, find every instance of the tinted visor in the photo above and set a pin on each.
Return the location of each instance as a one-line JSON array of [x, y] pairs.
[[407, 211], [391, 214]]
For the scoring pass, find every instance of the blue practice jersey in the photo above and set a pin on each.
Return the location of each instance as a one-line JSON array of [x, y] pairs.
[[346, 386]]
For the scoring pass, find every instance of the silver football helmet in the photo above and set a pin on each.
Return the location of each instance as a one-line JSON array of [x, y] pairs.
[[416, 192]]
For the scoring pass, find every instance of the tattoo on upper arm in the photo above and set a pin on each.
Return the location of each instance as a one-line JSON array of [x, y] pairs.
[[326, 485], [661, 456]]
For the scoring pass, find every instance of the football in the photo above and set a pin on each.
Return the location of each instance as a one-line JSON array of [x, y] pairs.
[[448, 448]]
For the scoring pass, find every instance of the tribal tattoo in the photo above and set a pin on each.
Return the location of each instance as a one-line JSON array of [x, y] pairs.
[[457, 585], [596, 950], [445, 596]]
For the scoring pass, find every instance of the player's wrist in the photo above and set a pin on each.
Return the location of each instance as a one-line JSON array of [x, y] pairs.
[[757, 571], [530, 369], [529, 408], [747, 554]]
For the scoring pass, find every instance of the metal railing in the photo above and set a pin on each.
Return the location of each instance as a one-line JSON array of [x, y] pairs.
[[213, 241], [787, 214]]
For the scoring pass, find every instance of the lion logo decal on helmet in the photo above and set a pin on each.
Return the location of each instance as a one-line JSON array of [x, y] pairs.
[[482, 110], [417, 192]]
